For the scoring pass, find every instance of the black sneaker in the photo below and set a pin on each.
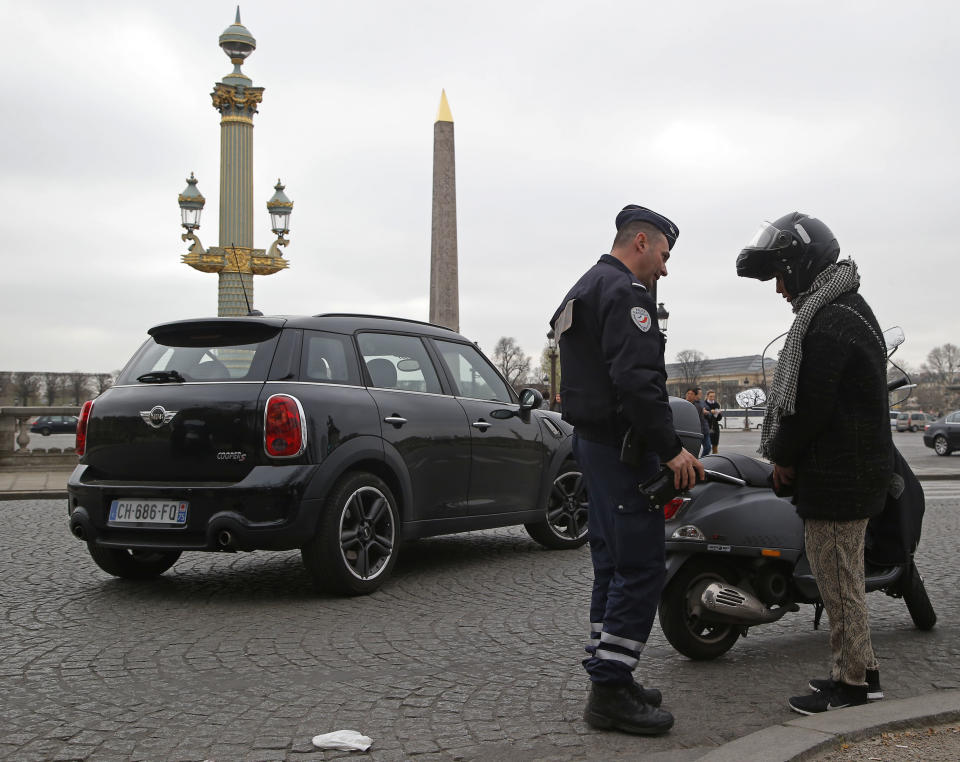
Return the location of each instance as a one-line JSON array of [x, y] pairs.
[[650, 696], [874, 691], [617, 707], [836, 696]]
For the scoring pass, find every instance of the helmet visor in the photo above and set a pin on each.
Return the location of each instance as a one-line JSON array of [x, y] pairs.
[[768, 238]]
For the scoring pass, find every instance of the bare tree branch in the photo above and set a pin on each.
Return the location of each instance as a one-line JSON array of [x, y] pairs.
[[510, 359]]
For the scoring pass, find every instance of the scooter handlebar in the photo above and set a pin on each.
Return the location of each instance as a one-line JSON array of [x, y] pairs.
[[660, 490]]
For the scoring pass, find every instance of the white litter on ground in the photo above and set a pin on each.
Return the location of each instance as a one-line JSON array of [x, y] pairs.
[[348, 740]]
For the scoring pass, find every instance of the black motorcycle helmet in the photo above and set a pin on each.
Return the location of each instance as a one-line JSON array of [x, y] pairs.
[[797, 246]]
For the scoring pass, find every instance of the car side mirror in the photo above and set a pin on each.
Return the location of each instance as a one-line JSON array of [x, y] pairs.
[[530, 399]]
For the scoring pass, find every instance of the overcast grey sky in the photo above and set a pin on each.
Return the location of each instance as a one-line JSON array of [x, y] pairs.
[[717, 115]]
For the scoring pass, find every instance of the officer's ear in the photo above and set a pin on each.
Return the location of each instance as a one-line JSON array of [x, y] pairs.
[[640, 240]]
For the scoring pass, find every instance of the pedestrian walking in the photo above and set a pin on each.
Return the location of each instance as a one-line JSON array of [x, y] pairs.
[[826, 432], [613, 384], [714, 416]]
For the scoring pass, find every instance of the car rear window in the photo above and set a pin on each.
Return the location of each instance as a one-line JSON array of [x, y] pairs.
[[206, 352]]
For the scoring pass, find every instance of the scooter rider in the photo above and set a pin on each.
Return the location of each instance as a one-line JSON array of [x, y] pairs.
[[826, 431], [613, 380]]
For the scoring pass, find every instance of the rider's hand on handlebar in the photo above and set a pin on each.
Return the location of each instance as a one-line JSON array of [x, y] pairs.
[[687, 470]]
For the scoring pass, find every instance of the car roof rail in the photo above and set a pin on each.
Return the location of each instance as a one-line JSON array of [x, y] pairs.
[[382, 317]]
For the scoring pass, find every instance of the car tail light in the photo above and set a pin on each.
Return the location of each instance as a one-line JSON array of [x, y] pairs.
[[671, 508], [284, 430], [85, 412]]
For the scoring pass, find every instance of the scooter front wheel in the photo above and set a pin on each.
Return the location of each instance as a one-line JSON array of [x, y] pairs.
[[680, 609]]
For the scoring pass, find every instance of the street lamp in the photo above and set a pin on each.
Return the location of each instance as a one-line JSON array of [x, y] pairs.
[[552, 354], [280, 208], [235, 259], [662, 316], [191, 205]]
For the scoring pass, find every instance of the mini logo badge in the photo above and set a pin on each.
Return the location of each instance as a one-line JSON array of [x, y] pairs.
[[641, 317], [157, 416]]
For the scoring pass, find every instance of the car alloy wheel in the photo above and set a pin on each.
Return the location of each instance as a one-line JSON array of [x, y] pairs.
[[567, 509], [567, 506], [367, 533], [940, 445]]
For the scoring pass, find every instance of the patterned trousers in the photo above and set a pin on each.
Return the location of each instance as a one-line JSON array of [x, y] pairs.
[[835, 552]]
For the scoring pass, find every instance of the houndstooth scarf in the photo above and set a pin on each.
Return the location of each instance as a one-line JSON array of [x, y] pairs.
[[835, 280]]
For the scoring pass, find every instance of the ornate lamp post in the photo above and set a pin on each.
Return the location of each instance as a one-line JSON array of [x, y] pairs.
[[552, 354], [662, 316], [235, 260]]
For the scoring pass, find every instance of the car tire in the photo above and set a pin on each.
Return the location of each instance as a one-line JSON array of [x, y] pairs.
[[913, 429], [133, 564], [358, 538], [45, 431], [940, 445], [565, 523], [677, 612]]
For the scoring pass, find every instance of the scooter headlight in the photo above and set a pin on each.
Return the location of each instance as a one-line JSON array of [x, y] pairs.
[[687, 532]]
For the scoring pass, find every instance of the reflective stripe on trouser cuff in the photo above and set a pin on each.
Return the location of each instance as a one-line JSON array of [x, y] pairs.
[[595, 628], [603, 653], [633, 645]]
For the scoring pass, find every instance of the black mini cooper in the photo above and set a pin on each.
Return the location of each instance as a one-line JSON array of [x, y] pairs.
[[340, 435]]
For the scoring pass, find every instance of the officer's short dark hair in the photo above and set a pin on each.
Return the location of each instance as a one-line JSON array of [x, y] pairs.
[[629, 231]]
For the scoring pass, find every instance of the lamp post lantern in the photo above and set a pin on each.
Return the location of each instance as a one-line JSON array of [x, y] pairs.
[[235, 260], [662, 316]]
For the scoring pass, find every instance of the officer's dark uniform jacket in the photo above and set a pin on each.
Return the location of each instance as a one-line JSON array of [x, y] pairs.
[[611, 354]]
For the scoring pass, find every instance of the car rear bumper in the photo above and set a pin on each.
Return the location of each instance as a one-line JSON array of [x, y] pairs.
[[264, 511]]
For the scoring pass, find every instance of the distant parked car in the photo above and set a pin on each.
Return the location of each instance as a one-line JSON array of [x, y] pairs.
[[943, 435], [54, 424], [914, 420]]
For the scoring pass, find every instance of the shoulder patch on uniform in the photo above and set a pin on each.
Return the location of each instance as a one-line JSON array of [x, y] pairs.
[[641, 318], [565, 319], [640, 286]]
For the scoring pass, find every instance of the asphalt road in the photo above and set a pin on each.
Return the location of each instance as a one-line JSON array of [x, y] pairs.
[[471, 652]]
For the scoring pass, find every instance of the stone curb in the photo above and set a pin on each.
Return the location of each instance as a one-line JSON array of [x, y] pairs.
[[805, 737], [34, 494]]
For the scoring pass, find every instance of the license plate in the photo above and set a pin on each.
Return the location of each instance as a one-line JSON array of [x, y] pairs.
[[156, 512]]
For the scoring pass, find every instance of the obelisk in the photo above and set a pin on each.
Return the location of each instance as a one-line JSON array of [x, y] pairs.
[[444, 286]]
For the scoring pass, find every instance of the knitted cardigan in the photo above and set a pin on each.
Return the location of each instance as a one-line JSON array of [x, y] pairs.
[[839, 438]]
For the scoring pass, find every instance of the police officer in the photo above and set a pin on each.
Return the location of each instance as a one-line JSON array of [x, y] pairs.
[[613, 385]]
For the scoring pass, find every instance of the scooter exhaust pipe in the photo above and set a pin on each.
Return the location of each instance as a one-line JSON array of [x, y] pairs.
[[78, 532], [726, 603], [225, 539]]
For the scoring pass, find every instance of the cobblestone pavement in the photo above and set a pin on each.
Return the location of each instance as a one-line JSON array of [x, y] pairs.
[[471, 652]]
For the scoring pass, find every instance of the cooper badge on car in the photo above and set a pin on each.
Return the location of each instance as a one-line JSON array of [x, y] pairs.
[[157, 416]]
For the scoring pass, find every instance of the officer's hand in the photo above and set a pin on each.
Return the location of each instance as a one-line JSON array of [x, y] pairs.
[[783, 476], [686, 469]]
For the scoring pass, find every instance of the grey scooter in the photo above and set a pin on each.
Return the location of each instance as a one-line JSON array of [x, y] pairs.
[[735, 555]]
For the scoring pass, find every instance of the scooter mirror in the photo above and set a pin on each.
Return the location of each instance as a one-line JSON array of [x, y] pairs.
[[893, 338], [751, 398]]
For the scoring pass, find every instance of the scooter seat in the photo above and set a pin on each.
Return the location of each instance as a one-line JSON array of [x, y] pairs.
[[754, 472]]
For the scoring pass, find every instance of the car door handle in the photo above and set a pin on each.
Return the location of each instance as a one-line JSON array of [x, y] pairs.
[[481, 424], [396, 420]]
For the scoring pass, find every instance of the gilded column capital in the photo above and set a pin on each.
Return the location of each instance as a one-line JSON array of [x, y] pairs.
[[236, 102]]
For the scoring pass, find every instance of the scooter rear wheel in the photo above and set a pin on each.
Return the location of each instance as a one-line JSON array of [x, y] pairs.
[[918, 602], [679, 612]]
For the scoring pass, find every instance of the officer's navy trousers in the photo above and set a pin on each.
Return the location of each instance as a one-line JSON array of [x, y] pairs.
[[627, 549]]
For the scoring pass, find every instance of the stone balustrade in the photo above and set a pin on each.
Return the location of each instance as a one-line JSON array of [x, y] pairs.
[[15, 438]]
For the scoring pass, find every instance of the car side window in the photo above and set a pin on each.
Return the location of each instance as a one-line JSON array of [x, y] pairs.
[[473, 376], [399, 362], [328, 358], [954, 418]]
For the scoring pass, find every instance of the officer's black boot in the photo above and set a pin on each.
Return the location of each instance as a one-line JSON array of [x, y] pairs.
[[650, 696], [618, 707]]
